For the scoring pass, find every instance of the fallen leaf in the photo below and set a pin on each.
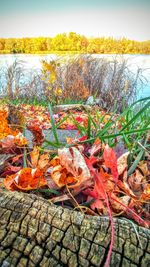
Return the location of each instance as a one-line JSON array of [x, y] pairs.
[[96, 147], [143, 166], [145, 196], [26, 179], [37, 132], [20, 140], [72, 159], [61, 177], [135, 181], [122, 163], [43, 161], [120, 204], [110, 161], [34, 154], [7, 142], [4, 160]]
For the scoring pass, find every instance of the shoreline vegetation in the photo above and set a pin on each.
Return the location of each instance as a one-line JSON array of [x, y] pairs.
[[72, 43], [73, 80]]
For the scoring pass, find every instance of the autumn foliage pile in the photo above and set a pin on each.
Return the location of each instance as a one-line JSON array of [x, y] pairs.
[[91, 177], [93, 171]]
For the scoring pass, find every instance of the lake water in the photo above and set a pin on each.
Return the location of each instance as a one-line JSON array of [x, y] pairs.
[[33, 62]]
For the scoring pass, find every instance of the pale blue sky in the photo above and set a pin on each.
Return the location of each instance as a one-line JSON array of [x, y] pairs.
[[115, 18]]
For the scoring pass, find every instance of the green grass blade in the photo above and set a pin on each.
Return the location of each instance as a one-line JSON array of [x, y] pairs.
[[49, 191], [82, 130], [62, 121], [54, 127], [115, 135], [25, 158], [136, 162], [108, 124], [53, 144], [125, 133], [89, 127], [136, 116]]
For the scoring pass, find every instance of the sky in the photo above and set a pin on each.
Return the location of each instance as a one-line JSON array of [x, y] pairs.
[[92, 18]]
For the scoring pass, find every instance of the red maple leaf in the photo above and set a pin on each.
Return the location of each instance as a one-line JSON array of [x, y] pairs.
[[99, 193], [110, 161]]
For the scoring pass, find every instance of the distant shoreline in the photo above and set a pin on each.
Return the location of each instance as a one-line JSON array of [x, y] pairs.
[[73, 43]]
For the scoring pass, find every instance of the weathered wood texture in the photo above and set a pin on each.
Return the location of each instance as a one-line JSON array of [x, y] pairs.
[[34, 232]]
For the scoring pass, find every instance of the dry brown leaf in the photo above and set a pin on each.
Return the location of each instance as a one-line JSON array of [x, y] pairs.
[[60, 198], [143, 166], [135, 181], [121, 203], [122, 163], [74, 162]]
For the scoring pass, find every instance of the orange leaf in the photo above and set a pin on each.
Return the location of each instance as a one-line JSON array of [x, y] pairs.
[[9, 182], [39, 161], [72, 159], [43, 161], [5, 130], [61, 176], [146, 194], [20, 140], [55, 161], [143, 166], [34, 154], [26, 179]]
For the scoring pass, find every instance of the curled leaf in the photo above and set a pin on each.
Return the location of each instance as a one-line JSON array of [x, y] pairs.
[[74, 162], [61, 176]]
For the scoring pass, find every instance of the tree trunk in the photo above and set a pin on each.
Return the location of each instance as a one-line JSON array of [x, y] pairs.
[[34, 232]]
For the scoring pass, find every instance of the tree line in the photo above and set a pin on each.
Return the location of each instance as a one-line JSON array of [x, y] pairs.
[[73, 42]]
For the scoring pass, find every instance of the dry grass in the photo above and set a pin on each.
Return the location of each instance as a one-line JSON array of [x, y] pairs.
[[110, 81], [80, 76]]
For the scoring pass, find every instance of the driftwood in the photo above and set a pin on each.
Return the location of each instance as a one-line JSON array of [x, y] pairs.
[[71, 107], [34, 232]]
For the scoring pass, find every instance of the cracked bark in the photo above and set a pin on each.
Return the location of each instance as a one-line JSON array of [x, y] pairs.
[[34, 232]]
